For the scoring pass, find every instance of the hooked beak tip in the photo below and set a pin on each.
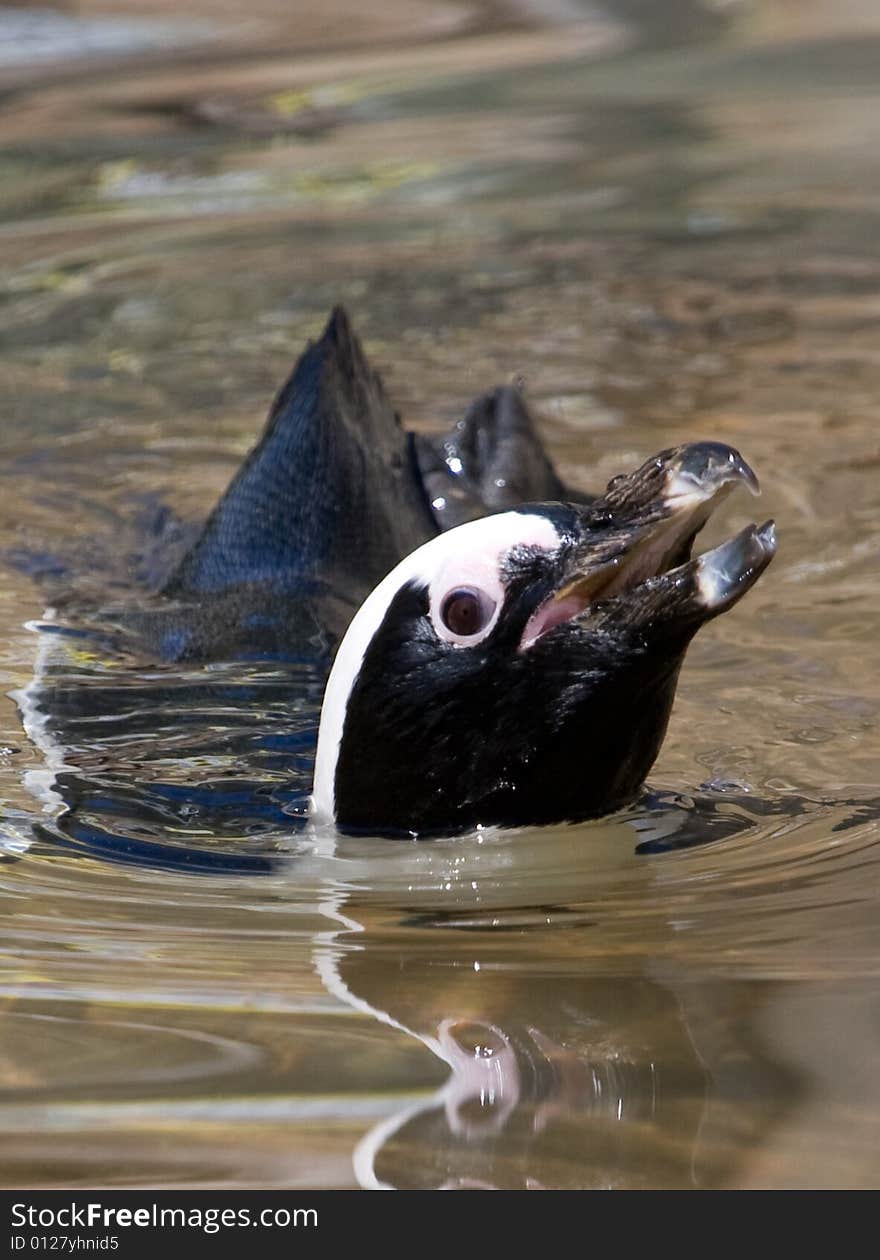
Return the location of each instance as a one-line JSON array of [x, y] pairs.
[[705, 468]]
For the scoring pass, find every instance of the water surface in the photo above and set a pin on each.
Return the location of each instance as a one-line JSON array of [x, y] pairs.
[[668, 228]]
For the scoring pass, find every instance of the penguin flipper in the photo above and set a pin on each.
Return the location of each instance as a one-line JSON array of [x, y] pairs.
[[331, 492]]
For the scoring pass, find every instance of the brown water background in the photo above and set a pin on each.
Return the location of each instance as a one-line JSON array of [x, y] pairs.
[[664, 215]]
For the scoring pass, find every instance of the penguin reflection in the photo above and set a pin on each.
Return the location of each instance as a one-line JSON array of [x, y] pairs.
[[558, 1078]]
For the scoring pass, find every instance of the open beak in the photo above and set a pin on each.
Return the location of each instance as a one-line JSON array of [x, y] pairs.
[[633, 559]]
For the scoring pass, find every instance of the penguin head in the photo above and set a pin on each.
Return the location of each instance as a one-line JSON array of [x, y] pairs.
[[520, 669]]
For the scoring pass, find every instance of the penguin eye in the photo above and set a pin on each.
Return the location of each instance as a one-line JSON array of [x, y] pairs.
[[466, 611]]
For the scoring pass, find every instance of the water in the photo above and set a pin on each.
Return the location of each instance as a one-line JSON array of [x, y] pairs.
[[668, 227]]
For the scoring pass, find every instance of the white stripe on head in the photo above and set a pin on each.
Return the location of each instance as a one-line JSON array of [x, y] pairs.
[[480, 543]]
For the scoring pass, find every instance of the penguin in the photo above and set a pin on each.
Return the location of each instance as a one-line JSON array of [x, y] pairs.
[[520, 670], [497, 648]]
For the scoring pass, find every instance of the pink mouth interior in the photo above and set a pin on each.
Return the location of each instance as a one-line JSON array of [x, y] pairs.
[[619, 574], [551, 613], [645, 559]]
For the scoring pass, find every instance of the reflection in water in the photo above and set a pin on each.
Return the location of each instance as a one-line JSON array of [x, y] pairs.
[[670, 230], [567, 1082]]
